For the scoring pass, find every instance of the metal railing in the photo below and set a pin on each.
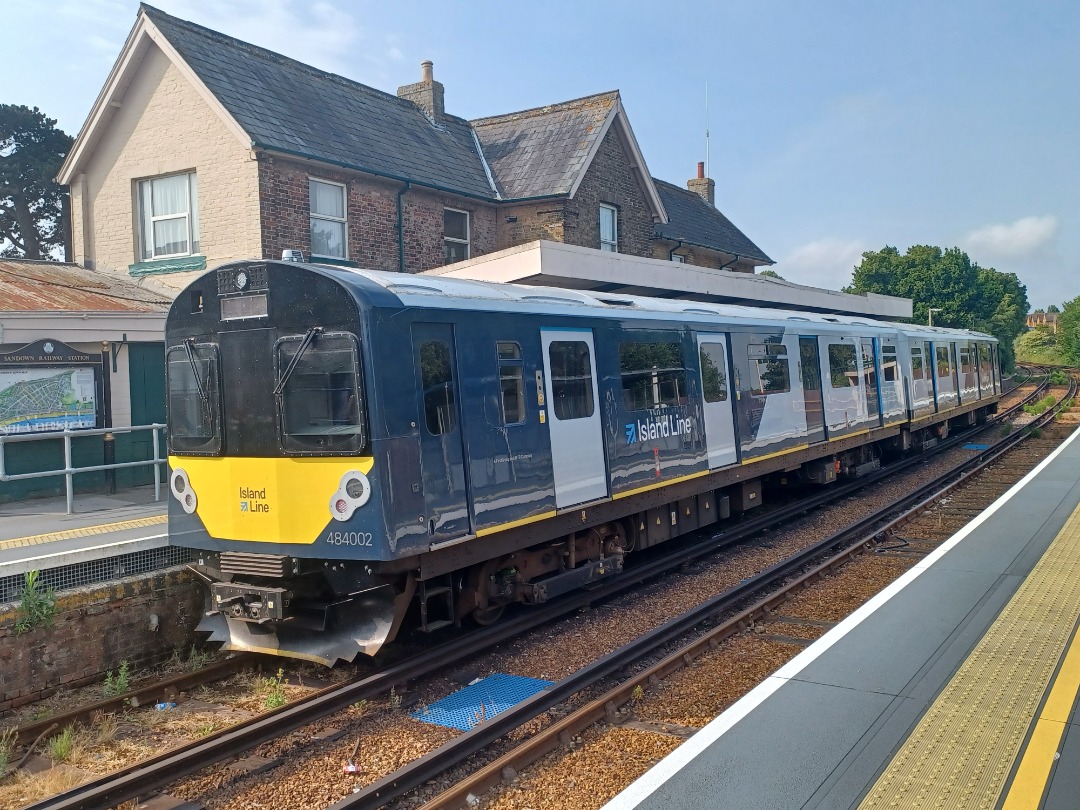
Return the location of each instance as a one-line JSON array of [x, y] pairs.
[[69, 471]]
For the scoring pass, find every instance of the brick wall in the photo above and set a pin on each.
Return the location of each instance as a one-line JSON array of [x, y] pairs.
[[701, 257], [94, 630], [610, 179], [165, 126], [371, 215]]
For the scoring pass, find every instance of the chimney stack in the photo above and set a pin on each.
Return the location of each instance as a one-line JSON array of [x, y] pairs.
[[427, 94], [700, 185]]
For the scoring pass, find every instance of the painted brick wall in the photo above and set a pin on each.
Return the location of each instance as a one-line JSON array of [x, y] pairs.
[[165, 126], [94, 630], [371, 214]]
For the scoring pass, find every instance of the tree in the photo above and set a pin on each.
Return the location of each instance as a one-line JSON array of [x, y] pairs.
[[770, 274], [33, 206], [1052, 308], [962, 294], [1069, 331]]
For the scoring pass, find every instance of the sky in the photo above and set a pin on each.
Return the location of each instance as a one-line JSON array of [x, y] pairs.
[[833, 127]]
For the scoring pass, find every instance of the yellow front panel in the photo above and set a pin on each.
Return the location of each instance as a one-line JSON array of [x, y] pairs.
[[270, 500]]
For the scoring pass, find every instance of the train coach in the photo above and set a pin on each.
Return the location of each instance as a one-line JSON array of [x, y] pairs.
[[353, 452]]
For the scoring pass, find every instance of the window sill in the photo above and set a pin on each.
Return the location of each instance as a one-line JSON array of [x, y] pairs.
[[333, 261], [178, 264]]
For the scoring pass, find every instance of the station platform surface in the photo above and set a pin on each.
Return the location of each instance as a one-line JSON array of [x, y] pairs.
[[956, 687], [38, 533]]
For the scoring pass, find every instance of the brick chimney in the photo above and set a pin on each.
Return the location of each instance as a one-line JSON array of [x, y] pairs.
[[700, 185], [427, 94]]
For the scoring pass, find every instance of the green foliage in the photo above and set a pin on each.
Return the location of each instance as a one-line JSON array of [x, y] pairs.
[[116, 684], [1039, 345], [198, 659], [769, 274], [8, 738], [62, 745], [275, 695], [1069, 332], [968, 296], [1058, 377], [1040, 406], [37, 607], [33, 220], [393, 700]]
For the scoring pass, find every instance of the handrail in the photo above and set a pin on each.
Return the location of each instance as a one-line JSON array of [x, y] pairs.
[[68, 470]]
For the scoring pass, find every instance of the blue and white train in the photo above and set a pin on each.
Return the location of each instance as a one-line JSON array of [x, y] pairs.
[[355, 452]]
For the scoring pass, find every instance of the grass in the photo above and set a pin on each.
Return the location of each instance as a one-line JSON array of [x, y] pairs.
[[62, 747], [1040, 406], [8, 737]]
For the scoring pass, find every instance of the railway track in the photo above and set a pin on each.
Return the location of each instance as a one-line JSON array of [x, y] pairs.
[[147, 777]]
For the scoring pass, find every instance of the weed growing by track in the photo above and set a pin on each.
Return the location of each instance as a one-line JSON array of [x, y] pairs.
[[37, 606], [116, 684], [276, 695]]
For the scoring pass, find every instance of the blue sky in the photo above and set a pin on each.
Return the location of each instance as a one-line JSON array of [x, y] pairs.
[[836, 127]]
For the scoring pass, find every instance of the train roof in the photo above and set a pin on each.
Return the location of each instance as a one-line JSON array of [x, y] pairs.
[[441, 292]]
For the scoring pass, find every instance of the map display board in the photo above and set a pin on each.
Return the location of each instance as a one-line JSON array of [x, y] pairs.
[[34, 400]]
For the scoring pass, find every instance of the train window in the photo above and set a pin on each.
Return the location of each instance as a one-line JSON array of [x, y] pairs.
[[713, 379], [437, 370], [571, 379], [768, 368], [888, 363], [916, 363], [511, 382], [194, 399], [318, 391], [652, 375], [942, 353], [843, 370]]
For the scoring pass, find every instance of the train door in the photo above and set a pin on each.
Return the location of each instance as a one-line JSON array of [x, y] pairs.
[[717, 400], [442, 456], [810, 368], [577, 439], [870, 382]]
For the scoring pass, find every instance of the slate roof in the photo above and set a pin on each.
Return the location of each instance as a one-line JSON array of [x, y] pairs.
[[292, 107], [540, 152], [693, 221], [29, 286]]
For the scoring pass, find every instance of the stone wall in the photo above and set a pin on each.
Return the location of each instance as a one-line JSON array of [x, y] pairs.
[[95, 628]]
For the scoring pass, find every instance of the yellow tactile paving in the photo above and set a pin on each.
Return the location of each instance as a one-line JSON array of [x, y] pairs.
[[961, 752], [86, 531]]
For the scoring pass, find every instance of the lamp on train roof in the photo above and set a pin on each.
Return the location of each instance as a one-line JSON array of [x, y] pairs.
[[930, 315], [292, 255]]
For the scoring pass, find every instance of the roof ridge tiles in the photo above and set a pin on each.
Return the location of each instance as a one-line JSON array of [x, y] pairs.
[[544, 109]]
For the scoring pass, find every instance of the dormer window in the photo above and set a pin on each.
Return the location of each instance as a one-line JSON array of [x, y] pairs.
[[609, 228]]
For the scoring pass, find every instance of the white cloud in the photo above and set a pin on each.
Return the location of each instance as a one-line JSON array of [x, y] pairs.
[[1027, 237], [826, 263]]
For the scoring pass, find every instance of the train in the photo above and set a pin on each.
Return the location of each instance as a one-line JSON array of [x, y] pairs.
[[353, 453]]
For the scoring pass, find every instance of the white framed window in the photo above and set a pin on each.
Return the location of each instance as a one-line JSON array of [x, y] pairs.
[[455, 235], [675, 257], [329, 225], [169, 216], [609, 228]]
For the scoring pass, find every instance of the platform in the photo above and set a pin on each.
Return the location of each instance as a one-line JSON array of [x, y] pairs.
[[955, 687], [38, 534]]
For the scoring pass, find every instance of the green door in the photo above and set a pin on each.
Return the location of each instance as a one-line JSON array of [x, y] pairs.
[[146, 365]]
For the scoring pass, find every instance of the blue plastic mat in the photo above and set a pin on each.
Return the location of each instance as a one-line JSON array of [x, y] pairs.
[[480, 701], [976, 447]]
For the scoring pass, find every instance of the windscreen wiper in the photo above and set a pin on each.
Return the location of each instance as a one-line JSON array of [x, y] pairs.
[[190, 351], [309, 337]]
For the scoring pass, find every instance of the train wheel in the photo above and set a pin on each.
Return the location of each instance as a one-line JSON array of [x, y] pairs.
[[487, 616]]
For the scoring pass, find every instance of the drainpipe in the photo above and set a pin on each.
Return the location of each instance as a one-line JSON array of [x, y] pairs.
[[728, 264], [401, 227], [671, 253]]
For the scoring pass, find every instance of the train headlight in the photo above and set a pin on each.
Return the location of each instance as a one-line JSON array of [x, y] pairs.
[[182, 491], [352, 493]]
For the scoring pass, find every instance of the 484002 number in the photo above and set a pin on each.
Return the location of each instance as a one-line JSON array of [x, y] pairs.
[[349, 538]]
